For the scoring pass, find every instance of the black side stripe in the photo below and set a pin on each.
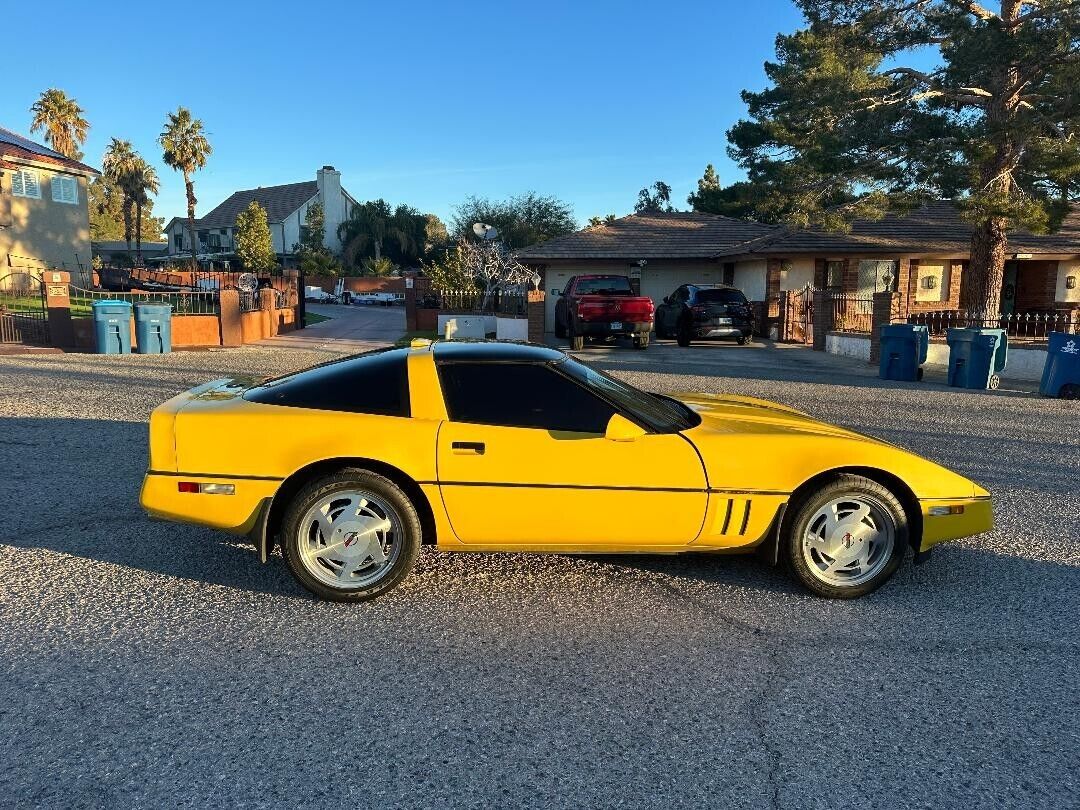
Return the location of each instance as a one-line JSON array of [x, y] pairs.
[[727, 517], [215, 475], [745, 517]]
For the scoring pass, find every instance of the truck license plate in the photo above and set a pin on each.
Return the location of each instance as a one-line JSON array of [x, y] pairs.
[[616, 325]]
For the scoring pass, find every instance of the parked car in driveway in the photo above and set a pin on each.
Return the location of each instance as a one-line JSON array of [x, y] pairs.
[[599, 306], [493, 446], [704, 312]]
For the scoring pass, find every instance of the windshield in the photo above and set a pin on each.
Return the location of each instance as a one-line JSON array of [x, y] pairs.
[[610, 285], [661, 414], [721, 297]]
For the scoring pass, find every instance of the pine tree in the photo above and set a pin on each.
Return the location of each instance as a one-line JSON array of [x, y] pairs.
[[253, 243]]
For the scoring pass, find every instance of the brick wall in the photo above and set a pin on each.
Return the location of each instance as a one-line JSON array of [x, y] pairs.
[[536, 316]]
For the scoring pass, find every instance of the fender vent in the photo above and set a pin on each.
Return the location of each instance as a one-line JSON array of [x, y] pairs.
[[735, 516]]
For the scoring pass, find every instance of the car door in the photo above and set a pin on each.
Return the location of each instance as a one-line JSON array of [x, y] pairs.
[[523, 462], [671, 311]]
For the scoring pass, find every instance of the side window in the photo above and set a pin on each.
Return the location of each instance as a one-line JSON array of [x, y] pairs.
[[525, 395], [682, 295], [375, 383]]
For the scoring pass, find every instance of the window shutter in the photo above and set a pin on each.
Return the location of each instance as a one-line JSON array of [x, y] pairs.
[[57, 189], [65, 190], [30, 182], [17, 187]]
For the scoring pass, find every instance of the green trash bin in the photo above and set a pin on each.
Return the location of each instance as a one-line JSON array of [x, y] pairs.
[[153, 328], [112, 327]]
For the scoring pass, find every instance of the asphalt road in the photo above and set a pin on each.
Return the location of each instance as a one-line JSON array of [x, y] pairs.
[[147, 664]]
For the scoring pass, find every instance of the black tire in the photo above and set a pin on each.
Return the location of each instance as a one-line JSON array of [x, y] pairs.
[[683, 335], [560, 328], [641, 341], [658, 326], [353, 480], [797, 524]]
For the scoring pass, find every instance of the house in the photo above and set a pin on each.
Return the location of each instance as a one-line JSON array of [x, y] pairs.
[[286, 208], [44, 214], [118, 253], [922, 255]]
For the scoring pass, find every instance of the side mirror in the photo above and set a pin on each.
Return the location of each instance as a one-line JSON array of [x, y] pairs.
[[667, 299], [621, 429]]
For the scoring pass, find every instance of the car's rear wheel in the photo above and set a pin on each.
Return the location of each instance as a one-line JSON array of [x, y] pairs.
[[683, 335], [641, 341], [659, 327], [351, 536], [846, 538]]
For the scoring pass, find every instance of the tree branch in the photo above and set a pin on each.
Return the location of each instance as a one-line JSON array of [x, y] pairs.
[[974, 8]]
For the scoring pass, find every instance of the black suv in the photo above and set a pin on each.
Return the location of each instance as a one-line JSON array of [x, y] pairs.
[[701, 311]]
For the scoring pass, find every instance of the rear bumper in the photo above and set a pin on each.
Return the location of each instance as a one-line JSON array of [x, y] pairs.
[[237, 513], [707, 329], [977, 517], [599, 328]]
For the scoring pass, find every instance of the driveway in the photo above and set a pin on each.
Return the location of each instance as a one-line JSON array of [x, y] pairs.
[[151, 664], [349, 329]]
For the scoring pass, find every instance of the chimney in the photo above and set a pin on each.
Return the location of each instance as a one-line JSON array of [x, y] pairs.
[[329, 180]]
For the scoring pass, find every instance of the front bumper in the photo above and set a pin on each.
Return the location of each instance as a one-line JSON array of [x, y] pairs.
[[605, 328], [237, 513], [977, 517]]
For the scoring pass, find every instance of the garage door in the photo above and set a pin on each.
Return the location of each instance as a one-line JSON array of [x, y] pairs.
[[656, 282], [555, 280]]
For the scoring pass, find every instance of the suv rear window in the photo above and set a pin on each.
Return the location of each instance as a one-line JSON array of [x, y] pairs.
[[613, 285], [721, 297], [375, 382]]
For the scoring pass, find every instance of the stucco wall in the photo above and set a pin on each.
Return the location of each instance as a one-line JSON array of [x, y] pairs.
[[1063, 294], [848, 345], [52, 233]]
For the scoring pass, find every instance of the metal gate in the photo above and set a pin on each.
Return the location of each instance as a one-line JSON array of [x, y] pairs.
[[23, 317], [799, 315]]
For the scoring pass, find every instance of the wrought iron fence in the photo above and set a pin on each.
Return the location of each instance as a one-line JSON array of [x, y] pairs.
[[502, 302], [249, 301], [1031, 326], [182, 303], [851, 312]]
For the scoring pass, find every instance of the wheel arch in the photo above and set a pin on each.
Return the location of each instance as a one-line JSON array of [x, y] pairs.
[[295, 482], [896, 485]]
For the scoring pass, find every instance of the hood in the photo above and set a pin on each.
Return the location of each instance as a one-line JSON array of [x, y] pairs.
[[729, 413]]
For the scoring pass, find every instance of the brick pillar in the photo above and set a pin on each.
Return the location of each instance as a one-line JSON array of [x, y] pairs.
[[58, 308], [821, 276], [410, 305], [536, 308], [823, 318], [886, 310], [772, 280], [229, 317], [269, 316]]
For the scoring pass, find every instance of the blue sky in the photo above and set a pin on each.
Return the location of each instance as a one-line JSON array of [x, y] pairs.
[[424, 103]]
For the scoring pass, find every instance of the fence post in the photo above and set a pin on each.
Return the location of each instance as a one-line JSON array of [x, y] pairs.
[[266, 308], [58, 307], [229, 316], [886, 309], [536, 309], [823, 318]]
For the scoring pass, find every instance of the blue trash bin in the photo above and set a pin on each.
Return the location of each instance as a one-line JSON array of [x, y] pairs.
[[153, 328], [1061, 374], [903, 351], [112, 327], [976, 357]]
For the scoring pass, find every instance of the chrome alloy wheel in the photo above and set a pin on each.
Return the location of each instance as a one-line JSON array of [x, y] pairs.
[[348, 540], [848, 540]]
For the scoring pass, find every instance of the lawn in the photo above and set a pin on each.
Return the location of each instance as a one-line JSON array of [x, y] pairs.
[[311, 318]]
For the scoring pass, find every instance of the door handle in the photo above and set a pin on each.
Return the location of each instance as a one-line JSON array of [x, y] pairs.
[[468, 448]]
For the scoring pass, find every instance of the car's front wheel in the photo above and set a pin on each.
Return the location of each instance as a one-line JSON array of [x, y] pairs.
[[846, 538], [351, 536]]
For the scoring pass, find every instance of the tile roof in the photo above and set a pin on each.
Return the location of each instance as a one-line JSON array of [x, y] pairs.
[[16, 146], [681, 235], [279, 202], [934, 228]]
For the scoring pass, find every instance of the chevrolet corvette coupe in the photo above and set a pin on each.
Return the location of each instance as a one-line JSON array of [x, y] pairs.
[[350, 466]]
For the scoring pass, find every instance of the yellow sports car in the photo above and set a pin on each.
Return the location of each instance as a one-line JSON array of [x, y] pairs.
[[350, 466]]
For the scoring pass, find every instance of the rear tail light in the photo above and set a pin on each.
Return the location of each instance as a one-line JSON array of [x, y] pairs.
[[206, 489]]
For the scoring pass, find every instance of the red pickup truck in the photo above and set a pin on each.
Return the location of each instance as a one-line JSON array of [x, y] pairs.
[[601, 306]]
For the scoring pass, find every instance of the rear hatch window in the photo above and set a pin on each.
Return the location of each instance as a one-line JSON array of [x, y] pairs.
[[721, 297]]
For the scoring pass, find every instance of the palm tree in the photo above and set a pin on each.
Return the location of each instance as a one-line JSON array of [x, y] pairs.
[[62, 120], [374, 225], [185, 150], [117, 164], [142, 181]]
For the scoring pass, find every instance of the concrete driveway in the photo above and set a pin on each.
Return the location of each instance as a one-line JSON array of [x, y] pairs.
[[349, 329], [149, 664]]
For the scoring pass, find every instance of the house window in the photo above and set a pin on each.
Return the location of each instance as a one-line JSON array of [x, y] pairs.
[[65, 190], [178, 239], [834, 274], [25, 183], [877, 275]]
